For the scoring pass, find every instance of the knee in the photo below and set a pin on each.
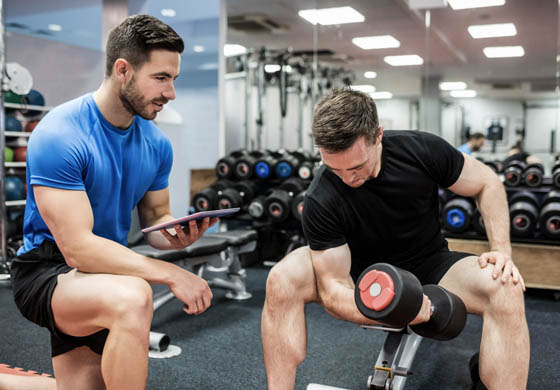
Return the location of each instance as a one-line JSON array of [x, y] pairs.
[[505, 299], [132, 302], [290, 278]]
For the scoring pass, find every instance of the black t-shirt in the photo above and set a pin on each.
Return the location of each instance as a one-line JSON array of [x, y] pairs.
[[392, 218]]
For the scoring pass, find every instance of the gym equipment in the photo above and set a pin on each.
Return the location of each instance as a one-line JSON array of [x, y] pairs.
[[8, 154], [297, 205], [20, 154], [496, 166], [256, 207], [524, 213], [286, 166], [264, 167], [457, 214], [513, 173], [556, 175], [205, 199], [549, 217], [30, 126], [239, 195], [12, 124], [533, 175], [14, 188], [226, 165], [394, 296], [277, 205], [33, 98], [17, 80], [217, 253]]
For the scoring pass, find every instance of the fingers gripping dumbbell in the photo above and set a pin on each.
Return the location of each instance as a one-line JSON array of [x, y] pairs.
[[394, 297]]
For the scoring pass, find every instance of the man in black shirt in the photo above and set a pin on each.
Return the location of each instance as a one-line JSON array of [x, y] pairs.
[[375, 200]]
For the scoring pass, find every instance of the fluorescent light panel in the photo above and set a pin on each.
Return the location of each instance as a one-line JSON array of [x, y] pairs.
[[363, 88], [503, 51], [381, 95], [376, 42], [409, 59], [198, 48], [467, 93], [370, 75], [452, 85], [169, 12], [464, 4], [329, 16], [55, 27], [234, 49], [492, 30]]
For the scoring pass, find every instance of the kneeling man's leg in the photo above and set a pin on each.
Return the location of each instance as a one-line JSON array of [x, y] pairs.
[[504, 348]]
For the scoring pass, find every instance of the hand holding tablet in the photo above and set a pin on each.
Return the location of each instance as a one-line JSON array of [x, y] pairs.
[[184, 221]]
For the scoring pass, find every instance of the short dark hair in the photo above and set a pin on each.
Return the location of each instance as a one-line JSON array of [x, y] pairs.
[[136, 37], [343, 116], [477, 136]]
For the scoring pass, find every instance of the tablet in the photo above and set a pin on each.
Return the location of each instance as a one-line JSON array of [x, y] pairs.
[[184, 221]]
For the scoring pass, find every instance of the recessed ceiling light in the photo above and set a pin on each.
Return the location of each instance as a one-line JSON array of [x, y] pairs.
[[370, 75], [376, 42], [55, 27], [452, 85], [492, 30], [234, 50], [381, 95], [467, 93], [198, 48], [409, 59], [169, 12], [328, 16], [363, 88], [503, 51], [464, 4], [272, 68]]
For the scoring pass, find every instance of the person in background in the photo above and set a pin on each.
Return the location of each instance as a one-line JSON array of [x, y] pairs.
[[474, 144]]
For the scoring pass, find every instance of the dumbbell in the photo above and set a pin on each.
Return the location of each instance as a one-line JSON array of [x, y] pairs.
[[549, 218], [305, 168], [205, 199], [533, 175], [226, 165], [256, 207], [394, 297], [513, 173], [238, 195], [264, 167], [524, 213], [244, 167], [556, 174], [277, 205], [457, 214], [297, 205], [287, 165]]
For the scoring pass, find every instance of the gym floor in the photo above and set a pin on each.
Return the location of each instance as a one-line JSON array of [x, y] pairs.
[[222, 348]]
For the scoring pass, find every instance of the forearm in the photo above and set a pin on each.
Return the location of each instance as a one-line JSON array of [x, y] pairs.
[[94, 254], [492, 203], [156, 239]]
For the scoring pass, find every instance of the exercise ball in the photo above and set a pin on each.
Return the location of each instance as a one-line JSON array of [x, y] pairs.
[[30, 126], [8, 154], [12, 124], [14, 188], [33, 98], [20, 154]]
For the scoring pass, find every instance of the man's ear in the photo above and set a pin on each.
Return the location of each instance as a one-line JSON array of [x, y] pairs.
[[379, 134], [122, 70]]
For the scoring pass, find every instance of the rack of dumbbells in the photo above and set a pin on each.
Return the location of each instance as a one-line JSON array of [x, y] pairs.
[[269, 187], [534, 205]]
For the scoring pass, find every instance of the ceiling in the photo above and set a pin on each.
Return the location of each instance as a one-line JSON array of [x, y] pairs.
[[448, 50]]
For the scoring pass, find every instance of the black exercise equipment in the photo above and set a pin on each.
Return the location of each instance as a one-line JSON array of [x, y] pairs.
[[297, 205], [206, 199], [513, 173], [240, 194], [244, 167], [457, 214], [556, 175], [226, 165], [277, 205], [264, 166], [524, 213], [496, 166], [533, 175], [394, 297], [549, 218], [256, 207]]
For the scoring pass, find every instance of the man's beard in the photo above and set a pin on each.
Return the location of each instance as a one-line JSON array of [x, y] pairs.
[[133, 101]]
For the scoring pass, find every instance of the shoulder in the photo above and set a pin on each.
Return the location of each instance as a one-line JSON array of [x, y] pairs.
[[152, 133]]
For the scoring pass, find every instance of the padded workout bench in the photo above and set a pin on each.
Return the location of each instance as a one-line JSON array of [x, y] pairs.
[[217, 252]]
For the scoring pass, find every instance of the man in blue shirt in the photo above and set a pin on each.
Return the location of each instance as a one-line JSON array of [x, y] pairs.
[[90, 162], [474, 144]]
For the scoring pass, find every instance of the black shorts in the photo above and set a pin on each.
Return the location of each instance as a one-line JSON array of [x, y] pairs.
[[430, 268], [34, 278]]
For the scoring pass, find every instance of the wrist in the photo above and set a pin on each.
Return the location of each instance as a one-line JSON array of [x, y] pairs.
[[504, 248]]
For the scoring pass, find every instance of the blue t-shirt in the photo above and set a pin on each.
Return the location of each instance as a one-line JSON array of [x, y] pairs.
[[465, 148], [75, 148]]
